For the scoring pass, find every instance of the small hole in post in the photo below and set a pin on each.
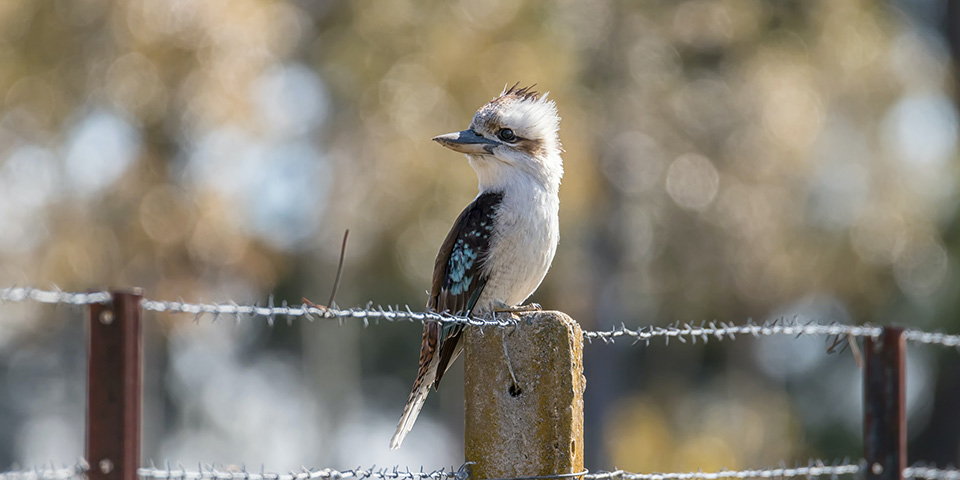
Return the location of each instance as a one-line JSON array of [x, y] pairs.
[[106, 466], [515, 390], [106, 317]]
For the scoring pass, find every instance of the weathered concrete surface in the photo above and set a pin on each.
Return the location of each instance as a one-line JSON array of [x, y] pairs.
[[536, 426]]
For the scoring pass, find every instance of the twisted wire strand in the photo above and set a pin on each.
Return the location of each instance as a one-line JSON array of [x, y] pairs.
[[681, 332], [23, 294], [723, 330], [816, 469], [932, 338], [48, 473], [922, 472], [271, 312]]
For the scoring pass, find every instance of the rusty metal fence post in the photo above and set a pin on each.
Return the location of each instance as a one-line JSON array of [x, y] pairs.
[[113, 387], [524, 397], [884, 405]]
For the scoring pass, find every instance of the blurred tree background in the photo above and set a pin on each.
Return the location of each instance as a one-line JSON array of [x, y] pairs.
[[725, 159]]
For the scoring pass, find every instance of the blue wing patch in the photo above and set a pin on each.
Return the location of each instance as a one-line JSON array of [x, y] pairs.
[[460, 267], [458, 270]]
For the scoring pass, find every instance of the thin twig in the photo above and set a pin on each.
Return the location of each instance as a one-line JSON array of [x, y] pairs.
[[336, 281]]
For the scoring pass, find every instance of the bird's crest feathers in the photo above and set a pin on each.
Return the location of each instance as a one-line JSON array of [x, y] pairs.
[[525, 93], [524, 109]]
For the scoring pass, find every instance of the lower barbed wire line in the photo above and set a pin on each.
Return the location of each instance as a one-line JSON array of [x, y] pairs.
[[240, 473], [681, 332], [814, 468]]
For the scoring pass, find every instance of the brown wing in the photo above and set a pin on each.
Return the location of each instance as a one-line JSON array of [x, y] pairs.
[[458, 280]]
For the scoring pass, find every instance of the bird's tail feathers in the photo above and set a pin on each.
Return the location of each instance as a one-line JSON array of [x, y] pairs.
[[421, 387]]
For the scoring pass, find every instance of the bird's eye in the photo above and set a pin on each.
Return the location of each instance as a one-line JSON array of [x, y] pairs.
[[506, 135]]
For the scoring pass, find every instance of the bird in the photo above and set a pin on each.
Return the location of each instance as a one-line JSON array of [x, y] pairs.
[[500, 247]]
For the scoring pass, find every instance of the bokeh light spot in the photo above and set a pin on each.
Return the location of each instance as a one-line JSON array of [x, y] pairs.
[[692, 181], [99, 150]]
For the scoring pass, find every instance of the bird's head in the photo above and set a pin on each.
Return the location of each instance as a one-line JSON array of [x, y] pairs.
[[512, 135]]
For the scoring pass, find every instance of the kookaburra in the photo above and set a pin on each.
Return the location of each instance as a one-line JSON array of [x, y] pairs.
[[502, 244]]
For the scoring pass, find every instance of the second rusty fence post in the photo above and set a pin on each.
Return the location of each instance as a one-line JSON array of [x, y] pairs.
[[884, 405], [113, 387]]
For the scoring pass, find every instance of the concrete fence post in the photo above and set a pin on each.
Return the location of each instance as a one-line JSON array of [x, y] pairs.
[[524, 397]]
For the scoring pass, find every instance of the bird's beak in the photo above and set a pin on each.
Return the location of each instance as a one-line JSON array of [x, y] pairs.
[[467, 141]]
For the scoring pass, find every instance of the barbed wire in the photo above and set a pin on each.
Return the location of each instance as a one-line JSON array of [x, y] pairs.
[[233, 309], [23, 294], [814, 468], [930, 473], [723, 330], [932, 338], [241, 473], [681, 332], [48, 473], [271, 312]]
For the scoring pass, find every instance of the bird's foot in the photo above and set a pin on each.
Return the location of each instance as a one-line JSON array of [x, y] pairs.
[[501, 307]]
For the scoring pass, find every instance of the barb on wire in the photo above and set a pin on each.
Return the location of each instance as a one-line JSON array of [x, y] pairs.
[[78, 470], [683, 333]]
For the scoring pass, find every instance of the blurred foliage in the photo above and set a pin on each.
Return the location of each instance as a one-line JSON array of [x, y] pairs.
[[724, 159]]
